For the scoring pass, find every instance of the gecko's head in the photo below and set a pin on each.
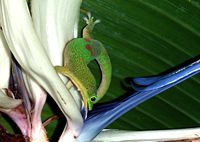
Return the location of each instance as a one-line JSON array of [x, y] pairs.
[[91, 101]]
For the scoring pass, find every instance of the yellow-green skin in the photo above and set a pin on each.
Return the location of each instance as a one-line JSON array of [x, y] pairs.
[[78, 53]]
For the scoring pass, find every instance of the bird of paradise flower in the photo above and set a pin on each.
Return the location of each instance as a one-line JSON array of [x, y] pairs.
[[29, 38]]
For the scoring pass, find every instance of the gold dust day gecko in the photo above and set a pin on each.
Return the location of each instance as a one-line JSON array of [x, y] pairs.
[[78, 53]]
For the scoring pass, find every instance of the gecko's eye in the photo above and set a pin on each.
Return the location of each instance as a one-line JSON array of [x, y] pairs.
[[93, 98]]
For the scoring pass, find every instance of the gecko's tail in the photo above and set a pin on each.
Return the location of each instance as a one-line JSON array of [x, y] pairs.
[[106, 71]]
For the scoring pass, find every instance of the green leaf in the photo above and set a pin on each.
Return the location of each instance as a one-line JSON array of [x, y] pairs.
[[147, 37]]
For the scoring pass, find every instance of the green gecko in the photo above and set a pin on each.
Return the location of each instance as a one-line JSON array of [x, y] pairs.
[[78, 53]]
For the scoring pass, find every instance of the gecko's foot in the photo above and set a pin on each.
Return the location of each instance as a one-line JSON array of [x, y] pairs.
[[90, 20]]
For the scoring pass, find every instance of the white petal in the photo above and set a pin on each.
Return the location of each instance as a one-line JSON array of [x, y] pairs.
[[38, 98], [110, 135], [8, 102], [5, 62], [55, 22], [26, 47]]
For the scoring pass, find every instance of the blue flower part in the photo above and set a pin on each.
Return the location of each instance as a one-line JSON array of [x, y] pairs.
[[19, 85], [101, 117], [155, 82], [104, 115], [145, 81]]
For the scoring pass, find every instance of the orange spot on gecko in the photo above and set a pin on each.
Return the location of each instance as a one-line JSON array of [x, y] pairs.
[[88, 47]]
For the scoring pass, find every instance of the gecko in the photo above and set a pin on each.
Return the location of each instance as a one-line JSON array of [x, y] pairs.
[[78, 53]]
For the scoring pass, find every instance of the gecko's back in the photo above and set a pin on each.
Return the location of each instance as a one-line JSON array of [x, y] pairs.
[[77, 56]]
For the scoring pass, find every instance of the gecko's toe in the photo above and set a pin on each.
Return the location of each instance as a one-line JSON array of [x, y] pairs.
[[89, 15], [97, 21], [86, 19], [90, 20]]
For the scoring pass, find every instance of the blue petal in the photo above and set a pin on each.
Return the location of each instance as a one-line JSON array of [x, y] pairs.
[[144, 81], [161, 81], [99, 118], [104, 115], [19, 85]]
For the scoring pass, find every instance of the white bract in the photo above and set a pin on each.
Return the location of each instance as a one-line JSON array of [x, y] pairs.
[[114, 135], [34, 56], [5, 63]]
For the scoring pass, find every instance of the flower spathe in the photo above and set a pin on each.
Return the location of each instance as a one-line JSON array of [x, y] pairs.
[[30, 53], [5, 63]]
